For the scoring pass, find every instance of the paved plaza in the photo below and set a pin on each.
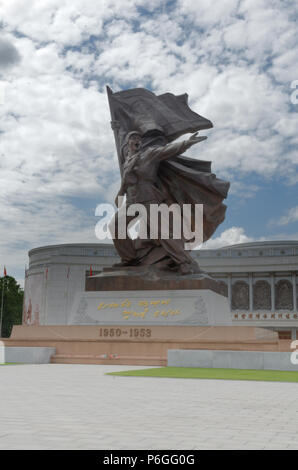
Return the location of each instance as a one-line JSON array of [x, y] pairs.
[[68, 406]]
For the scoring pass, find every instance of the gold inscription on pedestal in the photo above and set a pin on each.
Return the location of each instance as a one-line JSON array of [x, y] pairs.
[[153, 308]]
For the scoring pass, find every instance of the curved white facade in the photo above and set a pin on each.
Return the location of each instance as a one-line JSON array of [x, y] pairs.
[[261, 279]]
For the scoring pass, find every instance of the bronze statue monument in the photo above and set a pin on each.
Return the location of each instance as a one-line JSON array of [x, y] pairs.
[[154, 171]]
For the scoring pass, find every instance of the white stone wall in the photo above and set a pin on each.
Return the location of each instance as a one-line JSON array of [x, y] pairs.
[[56, 273], [33, 308]]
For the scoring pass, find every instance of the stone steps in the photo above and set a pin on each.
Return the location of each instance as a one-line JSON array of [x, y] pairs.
[[120, 360], [101, 345]]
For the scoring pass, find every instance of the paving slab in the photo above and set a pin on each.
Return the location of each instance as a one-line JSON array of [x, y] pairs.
[[72, 406]]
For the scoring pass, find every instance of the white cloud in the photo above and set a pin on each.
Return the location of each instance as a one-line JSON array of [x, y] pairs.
[[243, 190], [235, 60], [290, 217], [284, 66], [65, 22], [222, 11], [40, 222], [231, 236]]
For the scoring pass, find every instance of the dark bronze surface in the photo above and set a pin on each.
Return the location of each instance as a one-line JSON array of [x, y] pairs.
[[154, 171], [149, 278]]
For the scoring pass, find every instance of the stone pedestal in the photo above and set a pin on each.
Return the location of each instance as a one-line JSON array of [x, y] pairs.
[[136, 315], [135, 345], [148, 296]]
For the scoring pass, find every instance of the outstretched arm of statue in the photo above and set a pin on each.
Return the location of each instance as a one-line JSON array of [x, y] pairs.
[[176, 148]]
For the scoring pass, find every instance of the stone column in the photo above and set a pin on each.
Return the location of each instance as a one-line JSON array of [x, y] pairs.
[[230, 290], [272, 292], [250, 284]]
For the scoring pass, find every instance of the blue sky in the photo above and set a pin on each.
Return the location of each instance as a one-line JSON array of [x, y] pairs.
[[236, 60]]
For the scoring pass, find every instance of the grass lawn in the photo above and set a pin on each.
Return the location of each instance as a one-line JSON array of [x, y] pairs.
[[202, 373]]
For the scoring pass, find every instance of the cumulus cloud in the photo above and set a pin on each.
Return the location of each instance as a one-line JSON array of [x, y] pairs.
[[236, 235], [231, 236], [235, 60]]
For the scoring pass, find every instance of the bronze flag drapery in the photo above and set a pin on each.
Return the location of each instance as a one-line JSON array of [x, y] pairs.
[[141, 110], [160, 120]]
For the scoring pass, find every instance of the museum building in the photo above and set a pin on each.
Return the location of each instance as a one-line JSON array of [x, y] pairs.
[[260, 279]]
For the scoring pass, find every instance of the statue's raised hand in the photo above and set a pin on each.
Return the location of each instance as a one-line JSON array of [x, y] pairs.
[[194, 139]]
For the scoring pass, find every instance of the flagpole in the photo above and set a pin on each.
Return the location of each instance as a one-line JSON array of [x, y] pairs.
[[24, 299], [2, 302]]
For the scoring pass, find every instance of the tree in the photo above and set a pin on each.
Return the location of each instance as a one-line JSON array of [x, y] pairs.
[[12, 304]]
